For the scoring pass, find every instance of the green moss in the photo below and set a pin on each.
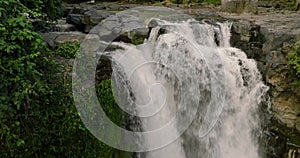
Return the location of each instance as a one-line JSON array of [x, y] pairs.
[[137, 41]]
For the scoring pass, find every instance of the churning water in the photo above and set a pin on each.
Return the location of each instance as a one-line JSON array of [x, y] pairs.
[[187, 80]]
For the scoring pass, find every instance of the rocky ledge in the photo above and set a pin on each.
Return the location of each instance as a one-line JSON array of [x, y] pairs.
[[267, 38]]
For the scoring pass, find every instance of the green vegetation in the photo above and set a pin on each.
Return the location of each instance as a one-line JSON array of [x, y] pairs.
[[294, 58], [214, 2], [48, 8], [27, 96], [158, 3], [196, 2], [115, 114], [37, 114], [137, 41], [67, 50]]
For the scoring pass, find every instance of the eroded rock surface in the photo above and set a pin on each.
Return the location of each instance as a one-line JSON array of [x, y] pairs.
[[266, 37]]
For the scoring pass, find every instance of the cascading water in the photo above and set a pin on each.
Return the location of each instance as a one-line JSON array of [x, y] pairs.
[[182, 70]]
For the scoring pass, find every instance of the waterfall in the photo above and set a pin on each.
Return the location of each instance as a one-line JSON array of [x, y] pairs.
[[191, 71]]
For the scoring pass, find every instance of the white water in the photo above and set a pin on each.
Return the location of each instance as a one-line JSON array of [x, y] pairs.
[[184, 69]]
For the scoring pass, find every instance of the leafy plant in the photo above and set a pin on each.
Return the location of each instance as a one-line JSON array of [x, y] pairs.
[[23, 66], [214, 2], [137, 41], [115, 114], [294, 58], [51, 8], [67, 50], [158, 4], [37, 115]]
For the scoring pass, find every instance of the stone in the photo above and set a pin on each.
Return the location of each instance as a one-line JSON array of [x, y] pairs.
[[285, 109], [69, 37], [75, 19], [96, 16], [273, 36], [87, 20], [138, 33], [54, 39], [297, 124], [49, 38], [66, 27], [267, 39]]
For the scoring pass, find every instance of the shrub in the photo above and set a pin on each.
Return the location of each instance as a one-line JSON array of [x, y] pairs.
[[214, 2], [294, 58], [67, 50], [137, 41], [24, 78], [115, 114], [51, 8], [37, 114]]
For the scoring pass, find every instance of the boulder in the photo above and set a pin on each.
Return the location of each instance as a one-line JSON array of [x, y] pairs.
[[85, 16], [86, 21], [49, 38], [69, 37], [93, 17], [54, 39], [75, 19], [138, 33]]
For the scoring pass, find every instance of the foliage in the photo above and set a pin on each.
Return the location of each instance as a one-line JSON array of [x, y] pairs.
[[52, 8], [115, 114], [67, 50], [294, 58], [37, 114], [107, 101], [214, 2], [137, 41], [158, 4], [23, 61]]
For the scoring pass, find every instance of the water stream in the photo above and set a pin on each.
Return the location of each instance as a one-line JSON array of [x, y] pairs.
[[190, 73]]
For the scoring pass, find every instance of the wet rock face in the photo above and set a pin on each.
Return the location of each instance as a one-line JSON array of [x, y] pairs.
[[268, 40], [265, 38], [270, 48]]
